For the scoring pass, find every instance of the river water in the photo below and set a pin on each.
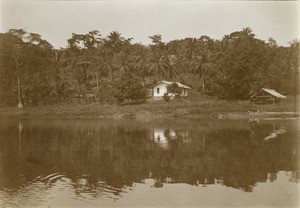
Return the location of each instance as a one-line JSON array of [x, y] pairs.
[[154, 163]]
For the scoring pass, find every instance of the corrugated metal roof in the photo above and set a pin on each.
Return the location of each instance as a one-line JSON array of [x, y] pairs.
[[274, 93], [179, 84]]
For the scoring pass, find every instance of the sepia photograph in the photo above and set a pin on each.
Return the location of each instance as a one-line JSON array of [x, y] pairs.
[[149, 103]]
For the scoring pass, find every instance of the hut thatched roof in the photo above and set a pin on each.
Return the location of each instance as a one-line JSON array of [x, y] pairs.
[[271, 92]]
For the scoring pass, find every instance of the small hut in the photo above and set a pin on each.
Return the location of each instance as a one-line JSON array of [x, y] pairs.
[[266, 95]]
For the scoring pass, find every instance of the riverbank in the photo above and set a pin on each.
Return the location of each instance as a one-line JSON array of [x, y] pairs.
[[202, 107]]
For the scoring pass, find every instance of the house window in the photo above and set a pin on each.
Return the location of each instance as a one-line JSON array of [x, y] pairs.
[[157, 90]]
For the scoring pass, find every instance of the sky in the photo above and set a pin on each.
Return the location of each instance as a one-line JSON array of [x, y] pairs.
[[56, 20]]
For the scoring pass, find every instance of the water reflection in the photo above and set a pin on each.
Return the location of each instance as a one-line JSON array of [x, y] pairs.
[[103, 158], [276, 132], [165, 137]]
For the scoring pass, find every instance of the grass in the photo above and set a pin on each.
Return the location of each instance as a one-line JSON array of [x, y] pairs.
[[196, 106]]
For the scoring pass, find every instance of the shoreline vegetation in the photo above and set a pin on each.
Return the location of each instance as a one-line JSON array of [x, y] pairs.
[[97, 77], [201, 108]]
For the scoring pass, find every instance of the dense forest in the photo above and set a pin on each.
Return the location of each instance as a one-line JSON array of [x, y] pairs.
[[33, 72]]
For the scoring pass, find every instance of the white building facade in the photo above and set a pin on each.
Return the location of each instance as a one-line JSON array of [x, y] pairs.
[[161, 88]]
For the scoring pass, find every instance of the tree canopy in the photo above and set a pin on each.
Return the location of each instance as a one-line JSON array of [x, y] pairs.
[[231, 68]]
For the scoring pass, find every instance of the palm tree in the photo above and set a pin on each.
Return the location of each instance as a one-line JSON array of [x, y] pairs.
[[157, 45], [238, 37], [100, 67], [115, 41], [191, 48], [161, 64], [247, 33], [112, 45], [141, 62], [201, 65], [124, 62]]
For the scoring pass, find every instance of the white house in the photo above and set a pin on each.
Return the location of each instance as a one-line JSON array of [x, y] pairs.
[[160, 89]]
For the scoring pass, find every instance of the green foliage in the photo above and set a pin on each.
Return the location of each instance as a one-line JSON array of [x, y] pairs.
[[129, 88]]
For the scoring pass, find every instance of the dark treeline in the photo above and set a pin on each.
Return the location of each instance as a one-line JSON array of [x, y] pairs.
[[232, 68]]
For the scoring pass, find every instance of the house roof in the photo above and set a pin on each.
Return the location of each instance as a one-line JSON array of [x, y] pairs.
[[169, 83], [274, 93], [271, 92]]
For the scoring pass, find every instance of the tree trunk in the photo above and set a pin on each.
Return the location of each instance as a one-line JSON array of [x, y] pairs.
[[295, 90], [143, 81], [112, 74], [203, 82], [57, 83], [20, 136], [20, 105], [57, 67], [16, 58], [97, 88], [113, 70]]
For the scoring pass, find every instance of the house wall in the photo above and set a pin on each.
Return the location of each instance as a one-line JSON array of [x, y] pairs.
[[163, 89]]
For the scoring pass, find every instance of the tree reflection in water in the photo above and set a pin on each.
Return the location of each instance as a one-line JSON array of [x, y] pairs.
[[97, 156]]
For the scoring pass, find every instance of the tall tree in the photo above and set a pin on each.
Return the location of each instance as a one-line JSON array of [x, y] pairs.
[[141, 61], [113, 45], [192, 47], [160, 61]]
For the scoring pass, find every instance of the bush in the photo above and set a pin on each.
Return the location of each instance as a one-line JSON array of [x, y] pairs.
[[177, 97], [129, 88], [166, 97], [174, 89]]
